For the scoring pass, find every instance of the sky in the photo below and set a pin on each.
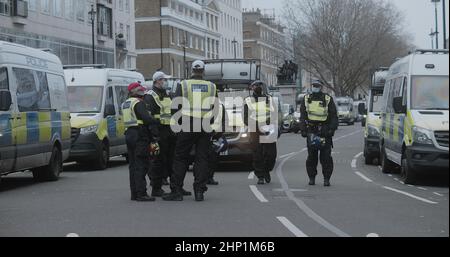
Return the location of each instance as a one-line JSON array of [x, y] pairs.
[[419, 17]]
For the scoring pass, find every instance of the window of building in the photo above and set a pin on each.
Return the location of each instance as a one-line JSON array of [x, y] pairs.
[[127, 6], [121, 5], [57, 8], [68, 9], [32, 5], [80, 7], [5, 7], [104, 21], [4, 83], [128, 34], [45, 6]]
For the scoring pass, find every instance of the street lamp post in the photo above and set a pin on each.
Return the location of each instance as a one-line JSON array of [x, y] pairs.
[[436, 16], [234, 42], [92, 14], [184, 57], [432, 38]]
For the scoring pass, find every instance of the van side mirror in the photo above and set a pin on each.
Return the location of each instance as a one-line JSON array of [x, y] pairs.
[[5, 100], [398, 105], [110, 110], [362, 109]]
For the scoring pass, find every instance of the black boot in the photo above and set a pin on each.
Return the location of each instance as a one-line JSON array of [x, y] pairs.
[[185, 193], [268, 178], [173, 196], [158, 192], [261, 181], [145, 198], [212, 182], [312, 181], [326, 182], [199, 196]]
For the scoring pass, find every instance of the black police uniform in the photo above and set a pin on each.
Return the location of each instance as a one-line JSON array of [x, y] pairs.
[[185, 143], [325, 130], [162, 164], [138, 139], [264, 155]]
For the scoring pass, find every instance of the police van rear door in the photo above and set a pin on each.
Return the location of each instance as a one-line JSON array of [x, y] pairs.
[[7, 137]]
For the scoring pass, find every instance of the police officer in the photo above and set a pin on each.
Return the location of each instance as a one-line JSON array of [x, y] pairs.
[[318, 123], [257, 113], [195, 109], [159, 104], [138, 137]]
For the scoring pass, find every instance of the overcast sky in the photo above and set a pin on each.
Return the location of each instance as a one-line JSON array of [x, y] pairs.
[[419, 17]]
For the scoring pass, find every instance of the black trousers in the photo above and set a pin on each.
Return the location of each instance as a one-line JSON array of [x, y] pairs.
[[138, 157], [162, 164], [325, 160], [264, 156], [213, 160], [185, 142]]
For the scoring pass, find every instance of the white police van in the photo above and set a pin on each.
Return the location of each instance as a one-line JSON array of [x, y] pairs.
[[34, 115], [95, 96], [415, 121]]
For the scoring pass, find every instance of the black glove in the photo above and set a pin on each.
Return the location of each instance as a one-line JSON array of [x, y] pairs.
[[304, 134], [327, 133]]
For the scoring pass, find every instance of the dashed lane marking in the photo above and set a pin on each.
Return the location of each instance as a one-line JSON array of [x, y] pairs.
[[410, 195], [363, 177], [436, 193], [258, 194], [72, 235], [295, 230]]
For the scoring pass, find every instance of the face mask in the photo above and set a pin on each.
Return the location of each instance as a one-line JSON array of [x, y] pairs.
[[316, 89], [258, 90]]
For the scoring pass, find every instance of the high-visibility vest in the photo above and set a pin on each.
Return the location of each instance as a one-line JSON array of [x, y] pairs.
[[217, 125], [317, 110], [196, 92], [129, 116], [165, 105], [259, 111]]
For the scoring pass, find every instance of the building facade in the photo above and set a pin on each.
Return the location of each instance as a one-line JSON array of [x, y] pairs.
[[266, 39], [65, 27], [231, 41]]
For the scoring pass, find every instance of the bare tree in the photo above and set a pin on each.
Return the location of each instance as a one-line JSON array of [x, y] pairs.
[[342, 41]]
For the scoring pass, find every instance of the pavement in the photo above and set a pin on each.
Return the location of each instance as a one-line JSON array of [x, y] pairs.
[[362, 201]]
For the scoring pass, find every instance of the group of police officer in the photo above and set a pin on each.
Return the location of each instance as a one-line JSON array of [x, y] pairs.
[[154, 149]]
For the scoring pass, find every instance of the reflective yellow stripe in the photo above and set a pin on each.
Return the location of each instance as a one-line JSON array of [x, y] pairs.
[[45, 127], [165, 107], [21, 129], [315, 111], [198, 97], [259, 111]]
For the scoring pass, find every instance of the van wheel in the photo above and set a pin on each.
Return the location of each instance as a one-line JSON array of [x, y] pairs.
[[386, 165], [52, 170], [408, 174], [102, 161]]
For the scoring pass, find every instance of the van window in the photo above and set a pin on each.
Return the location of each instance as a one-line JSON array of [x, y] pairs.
[[27, 94], [430, 93], [121, 96], [58, 92], [405, 91], [43, 91], [109, 97], [4, 85], [394, 91], [85, 99]]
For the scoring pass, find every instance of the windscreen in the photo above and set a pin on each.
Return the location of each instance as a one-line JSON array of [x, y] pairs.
[[85, 99], [430, 93]]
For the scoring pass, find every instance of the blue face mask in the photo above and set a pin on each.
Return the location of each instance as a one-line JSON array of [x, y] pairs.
[[316, 89]]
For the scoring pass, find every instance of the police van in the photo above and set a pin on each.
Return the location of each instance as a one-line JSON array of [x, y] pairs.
[[373, 123], [95, 97], [415, 121], [34, 114], [345, 110]]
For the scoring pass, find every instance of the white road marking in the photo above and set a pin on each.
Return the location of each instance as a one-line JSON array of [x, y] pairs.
[[422, 188], [436, 193], [251, 175], [72, 235], [69, 163], [372, 235], [258, 194], [354, 163], [287, 155], [296, 231], [410, 195], [390, 175], [292, 190], [363, 177]]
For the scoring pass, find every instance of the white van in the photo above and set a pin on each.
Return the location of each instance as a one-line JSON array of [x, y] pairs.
[[34, 115], [95, 99], [345, 110], [415, 122]]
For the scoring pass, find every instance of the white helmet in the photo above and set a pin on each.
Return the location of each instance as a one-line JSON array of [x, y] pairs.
[[198, 65]]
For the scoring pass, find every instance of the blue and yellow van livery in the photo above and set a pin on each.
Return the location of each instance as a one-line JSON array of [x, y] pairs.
[[95, 98], [34, 115], [415, 117]]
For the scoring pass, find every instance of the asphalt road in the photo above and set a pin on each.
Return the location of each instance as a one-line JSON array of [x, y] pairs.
[[361, 202]]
